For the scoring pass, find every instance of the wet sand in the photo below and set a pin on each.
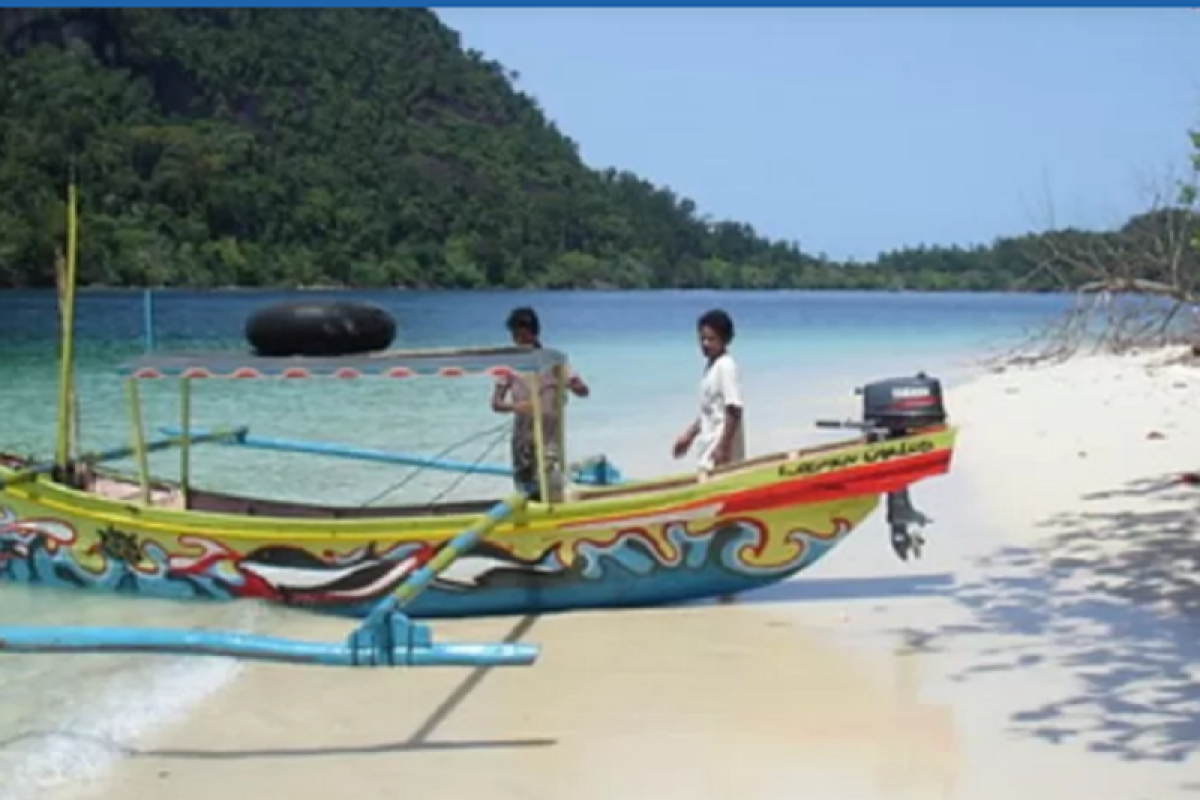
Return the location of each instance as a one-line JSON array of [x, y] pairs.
[[1012, 659]]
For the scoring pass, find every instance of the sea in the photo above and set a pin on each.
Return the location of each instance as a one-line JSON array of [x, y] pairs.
[[801, 354]]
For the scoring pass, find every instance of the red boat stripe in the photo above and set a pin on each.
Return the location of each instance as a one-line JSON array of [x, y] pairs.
[[852, 482], [855, 482]]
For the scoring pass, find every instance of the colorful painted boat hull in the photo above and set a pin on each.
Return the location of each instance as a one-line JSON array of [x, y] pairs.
[[650, 543]]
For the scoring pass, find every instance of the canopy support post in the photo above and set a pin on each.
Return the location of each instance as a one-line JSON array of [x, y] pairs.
[[185, 437], [560, 417], [138, 435], [534, 381], [67, 279]]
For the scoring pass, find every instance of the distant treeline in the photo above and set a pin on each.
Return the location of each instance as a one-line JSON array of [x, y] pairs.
[[356, 147]]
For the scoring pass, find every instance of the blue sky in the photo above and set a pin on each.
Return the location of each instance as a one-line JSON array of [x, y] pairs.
[[860, 130]]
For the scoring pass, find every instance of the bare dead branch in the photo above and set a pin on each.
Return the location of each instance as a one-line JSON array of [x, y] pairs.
[[1133, 285]]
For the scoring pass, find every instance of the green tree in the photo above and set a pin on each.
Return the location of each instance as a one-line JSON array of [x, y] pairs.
[[289, 147]]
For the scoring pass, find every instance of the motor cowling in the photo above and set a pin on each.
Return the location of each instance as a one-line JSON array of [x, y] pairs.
[[899, 406]]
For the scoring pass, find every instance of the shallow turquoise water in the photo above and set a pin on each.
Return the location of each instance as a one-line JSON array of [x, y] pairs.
[[801, 354]]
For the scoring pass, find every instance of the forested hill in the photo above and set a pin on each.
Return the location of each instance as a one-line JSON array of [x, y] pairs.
[[351, 147]]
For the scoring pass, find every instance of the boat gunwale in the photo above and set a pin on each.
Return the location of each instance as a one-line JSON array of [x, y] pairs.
[[751, 464], [538, 519]]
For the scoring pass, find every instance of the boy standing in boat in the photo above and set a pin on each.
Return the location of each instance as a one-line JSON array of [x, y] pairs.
[[512, 396], [719, 430]]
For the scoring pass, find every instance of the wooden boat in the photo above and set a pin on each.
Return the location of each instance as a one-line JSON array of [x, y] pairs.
[[68, 523], [641, 543]]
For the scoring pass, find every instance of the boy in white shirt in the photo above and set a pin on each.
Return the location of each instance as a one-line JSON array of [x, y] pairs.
[[719, 429]]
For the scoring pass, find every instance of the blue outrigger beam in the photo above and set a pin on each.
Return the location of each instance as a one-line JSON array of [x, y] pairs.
[[386, 638], [118, 453], [405, 644], [351, 452], [594, 471]]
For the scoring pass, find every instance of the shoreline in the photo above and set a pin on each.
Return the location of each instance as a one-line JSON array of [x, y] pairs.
[[100, 289], [1041, 451]]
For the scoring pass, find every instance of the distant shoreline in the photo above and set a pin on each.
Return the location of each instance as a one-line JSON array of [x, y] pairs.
[[506, 290]]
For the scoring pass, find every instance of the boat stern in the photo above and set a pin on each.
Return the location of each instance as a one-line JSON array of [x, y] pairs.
[[905, 418]]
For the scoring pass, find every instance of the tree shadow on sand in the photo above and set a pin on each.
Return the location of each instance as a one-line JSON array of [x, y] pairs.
[[1118, 607]]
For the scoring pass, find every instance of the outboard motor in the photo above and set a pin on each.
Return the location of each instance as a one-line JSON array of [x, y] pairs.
[[892, 409], [902, 406]]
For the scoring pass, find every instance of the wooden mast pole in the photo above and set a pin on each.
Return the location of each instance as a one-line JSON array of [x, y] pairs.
[[66, 300]]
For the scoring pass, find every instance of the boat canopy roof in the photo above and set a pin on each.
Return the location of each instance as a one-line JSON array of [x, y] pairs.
[[446, 363]]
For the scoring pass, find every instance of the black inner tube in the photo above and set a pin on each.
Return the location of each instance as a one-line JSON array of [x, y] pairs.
[[314, 328]]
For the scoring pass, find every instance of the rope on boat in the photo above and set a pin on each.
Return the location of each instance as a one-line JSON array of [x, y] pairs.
[[454, 484], [498, 433]]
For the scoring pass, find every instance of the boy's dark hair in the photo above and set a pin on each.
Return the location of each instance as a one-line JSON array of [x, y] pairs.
[[524, 318], [720, 323]]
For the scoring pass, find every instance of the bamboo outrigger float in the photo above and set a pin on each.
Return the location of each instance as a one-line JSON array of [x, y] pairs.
[[596, 544]]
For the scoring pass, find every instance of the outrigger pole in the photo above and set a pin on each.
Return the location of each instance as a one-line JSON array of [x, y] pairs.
[[386, 638], [394, 643], [596, 471], [118, 453]]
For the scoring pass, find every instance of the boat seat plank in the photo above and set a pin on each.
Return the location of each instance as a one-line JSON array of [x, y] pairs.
[[129, 492]]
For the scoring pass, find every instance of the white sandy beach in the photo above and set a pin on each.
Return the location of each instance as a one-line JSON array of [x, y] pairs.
[[1040, 648]]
